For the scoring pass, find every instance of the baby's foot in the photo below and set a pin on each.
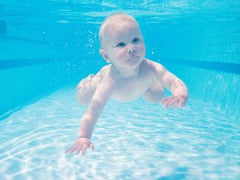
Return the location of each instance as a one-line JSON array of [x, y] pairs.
[[87, 87]]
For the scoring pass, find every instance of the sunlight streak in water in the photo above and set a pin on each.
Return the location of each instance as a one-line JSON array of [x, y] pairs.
[[140, 140]]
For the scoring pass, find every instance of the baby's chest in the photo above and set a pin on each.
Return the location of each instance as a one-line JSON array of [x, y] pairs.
[[132, 88]]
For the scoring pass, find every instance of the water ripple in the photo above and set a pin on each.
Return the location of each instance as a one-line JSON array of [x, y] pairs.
[[140, 140]]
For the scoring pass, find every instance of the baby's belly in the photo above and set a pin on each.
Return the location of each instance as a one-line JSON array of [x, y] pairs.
[[124, 99], [130, 89], [128, 96]]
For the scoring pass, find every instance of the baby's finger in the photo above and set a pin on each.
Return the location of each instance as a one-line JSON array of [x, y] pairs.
[[169, 102], [84, 148], [165, 100], [91, 147], [173, 101], [78, 149], [180, 103], [70, 149], [175, 104], [73, 148], [166, 104]]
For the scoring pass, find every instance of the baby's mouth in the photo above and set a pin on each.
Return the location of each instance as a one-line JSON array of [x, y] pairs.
[[132, 61], [133, 58]]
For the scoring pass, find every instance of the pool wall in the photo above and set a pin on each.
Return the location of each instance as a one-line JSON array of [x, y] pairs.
[[35, 64], [205, 54]]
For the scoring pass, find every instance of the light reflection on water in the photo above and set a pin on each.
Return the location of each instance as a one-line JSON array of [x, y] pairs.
[[140, 140]]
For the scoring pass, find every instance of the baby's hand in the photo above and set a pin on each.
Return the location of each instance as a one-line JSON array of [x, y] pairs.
[[81, 145], [175, 101]]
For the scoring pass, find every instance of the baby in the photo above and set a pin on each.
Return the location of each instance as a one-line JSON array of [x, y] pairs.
[[128, 76]]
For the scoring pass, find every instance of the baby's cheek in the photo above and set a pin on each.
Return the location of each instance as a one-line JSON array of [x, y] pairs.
[[121, 55], [142, 50]]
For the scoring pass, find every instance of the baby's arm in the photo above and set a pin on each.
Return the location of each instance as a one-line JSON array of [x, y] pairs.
[[89, 119], [174, 85], [95, 108]]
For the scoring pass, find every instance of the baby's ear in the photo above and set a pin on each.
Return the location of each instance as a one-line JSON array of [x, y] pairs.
[[104, 55]]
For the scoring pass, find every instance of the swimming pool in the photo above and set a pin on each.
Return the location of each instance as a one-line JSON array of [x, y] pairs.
[[47, 47]]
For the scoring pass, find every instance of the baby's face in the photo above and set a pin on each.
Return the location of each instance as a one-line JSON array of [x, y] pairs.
[[124, 45]]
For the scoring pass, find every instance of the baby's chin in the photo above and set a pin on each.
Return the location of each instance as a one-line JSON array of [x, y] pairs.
[[134, 58], [134, 62]]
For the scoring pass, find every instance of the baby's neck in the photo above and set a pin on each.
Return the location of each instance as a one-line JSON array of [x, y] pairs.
[[125, 73]]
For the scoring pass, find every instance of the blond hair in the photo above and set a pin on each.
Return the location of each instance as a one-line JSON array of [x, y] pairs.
[[113, 18]]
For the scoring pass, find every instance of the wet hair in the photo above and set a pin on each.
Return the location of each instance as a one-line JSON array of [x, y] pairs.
[[113, 18]]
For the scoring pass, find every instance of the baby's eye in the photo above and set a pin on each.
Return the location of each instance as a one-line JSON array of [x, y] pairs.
[[121, 44], [136, 40]]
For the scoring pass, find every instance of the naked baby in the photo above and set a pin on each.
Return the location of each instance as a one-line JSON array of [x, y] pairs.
[[129, 75]]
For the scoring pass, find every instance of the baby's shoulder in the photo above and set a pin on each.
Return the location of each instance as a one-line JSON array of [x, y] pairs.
[[104, 70], [151, 66], [105, 73]]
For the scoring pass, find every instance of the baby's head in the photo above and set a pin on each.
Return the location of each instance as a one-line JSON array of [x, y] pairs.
[[121, 41], [112, 22]]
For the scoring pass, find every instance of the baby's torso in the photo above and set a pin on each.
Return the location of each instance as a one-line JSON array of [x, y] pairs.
[[128, 89], [131, 89]]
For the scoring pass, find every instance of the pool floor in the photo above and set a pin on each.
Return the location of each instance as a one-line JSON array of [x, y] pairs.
[[136, 140]]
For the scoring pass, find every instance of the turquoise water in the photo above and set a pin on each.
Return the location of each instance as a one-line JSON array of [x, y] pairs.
[[47, 47], [134, 140]]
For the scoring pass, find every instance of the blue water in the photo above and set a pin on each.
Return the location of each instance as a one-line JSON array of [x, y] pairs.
[[47, 47], [136, 140]]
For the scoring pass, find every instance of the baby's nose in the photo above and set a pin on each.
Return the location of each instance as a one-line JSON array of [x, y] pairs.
[[132, 50]]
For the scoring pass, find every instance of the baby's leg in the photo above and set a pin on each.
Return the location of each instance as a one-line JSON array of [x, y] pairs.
[[154, 94], [87, 87]]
